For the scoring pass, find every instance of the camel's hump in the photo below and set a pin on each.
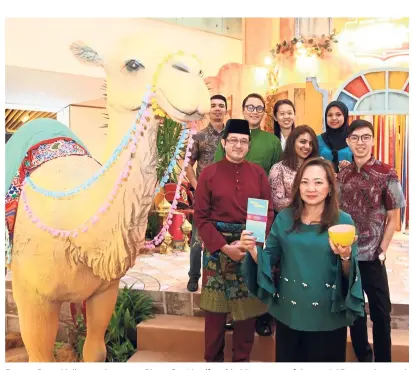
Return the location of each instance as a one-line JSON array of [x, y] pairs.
[[28, 135]]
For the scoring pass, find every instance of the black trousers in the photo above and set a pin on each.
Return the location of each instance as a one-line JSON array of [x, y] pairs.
[[375, 284], [307, 346]]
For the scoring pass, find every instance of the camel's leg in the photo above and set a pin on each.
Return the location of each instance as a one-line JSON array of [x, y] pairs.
[[39, 320], [99, 310]]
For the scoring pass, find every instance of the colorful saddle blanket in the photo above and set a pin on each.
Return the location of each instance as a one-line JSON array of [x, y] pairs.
[[58, 141]]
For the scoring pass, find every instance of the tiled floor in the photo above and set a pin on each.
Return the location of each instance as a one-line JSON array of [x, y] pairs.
[[170, 272]]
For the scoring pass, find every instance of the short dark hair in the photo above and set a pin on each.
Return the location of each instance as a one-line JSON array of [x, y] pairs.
[[277, 105], [289, 156], [253, 95], [220, 97], [359, 123]]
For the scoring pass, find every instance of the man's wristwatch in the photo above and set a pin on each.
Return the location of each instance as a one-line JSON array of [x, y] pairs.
[[382, 257]]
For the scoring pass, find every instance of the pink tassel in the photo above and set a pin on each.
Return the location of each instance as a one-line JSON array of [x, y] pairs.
[[75, 234]]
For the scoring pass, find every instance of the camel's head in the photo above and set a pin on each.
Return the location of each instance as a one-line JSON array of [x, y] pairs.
[[180, 89], [131, 67]]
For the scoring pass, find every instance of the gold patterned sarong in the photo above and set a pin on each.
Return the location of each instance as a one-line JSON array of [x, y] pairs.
[[223, 287]]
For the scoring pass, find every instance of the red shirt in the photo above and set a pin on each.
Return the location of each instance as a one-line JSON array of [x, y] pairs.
[[367, 195], [222, 195]]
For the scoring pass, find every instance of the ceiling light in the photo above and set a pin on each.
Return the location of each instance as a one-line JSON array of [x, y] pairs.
[[25, 118]]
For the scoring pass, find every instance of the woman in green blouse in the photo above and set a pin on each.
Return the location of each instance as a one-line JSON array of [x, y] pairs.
[[319, 292]]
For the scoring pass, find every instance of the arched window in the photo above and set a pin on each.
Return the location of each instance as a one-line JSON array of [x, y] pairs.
[[378, 91]]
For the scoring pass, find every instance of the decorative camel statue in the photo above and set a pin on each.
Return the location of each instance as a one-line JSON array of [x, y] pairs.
[[48, 269]]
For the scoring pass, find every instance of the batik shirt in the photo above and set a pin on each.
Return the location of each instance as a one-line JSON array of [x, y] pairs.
[[367, 194], [281, 180], [205, 145]]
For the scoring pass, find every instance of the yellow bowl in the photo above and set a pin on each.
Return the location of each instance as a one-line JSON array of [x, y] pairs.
[[342, 234]]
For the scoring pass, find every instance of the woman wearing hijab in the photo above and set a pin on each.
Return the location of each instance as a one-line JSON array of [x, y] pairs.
[[284, 120], [332, 143]]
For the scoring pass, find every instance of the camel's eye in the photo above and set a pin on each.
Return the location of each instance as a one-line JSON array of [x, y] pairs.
[[133, 65], [181, 68]]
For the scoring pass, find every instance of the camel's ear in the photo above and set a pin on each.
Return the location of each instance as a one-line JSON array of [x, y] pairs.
[[86, 54]]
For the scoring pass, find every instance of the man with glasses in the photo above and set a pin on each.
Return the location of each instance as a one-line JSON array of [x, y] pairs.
[[203, 150], [371, 193], [265, 148], [220, 216]]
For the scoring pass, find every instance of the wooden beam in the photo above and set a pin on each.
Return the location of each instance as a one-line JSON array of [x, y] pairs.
[[12, 115], [34, 115]]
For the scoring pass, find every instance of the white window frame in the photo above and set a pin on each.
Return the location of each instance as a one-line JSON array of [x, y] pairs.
[[297, 27]]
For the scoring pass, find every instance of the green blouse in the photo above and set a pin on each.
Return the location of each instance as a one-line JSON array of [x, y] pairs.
[[265, 150], [310, 295]]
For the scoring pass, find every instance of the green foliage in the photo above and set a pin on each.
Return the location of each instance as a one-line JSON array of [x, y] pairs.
[[168, 137], [57, 346], [132, 307], [153, 226], [78, 335]]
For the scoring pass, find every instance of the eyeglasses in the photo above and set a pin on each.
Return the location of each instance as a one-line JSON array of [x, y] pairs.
[[364, 138], [234, 141], [251, 108]]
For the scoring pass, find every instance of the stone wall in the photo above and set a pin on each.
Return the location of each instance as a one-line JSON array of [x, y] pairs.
[[12, 318]]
